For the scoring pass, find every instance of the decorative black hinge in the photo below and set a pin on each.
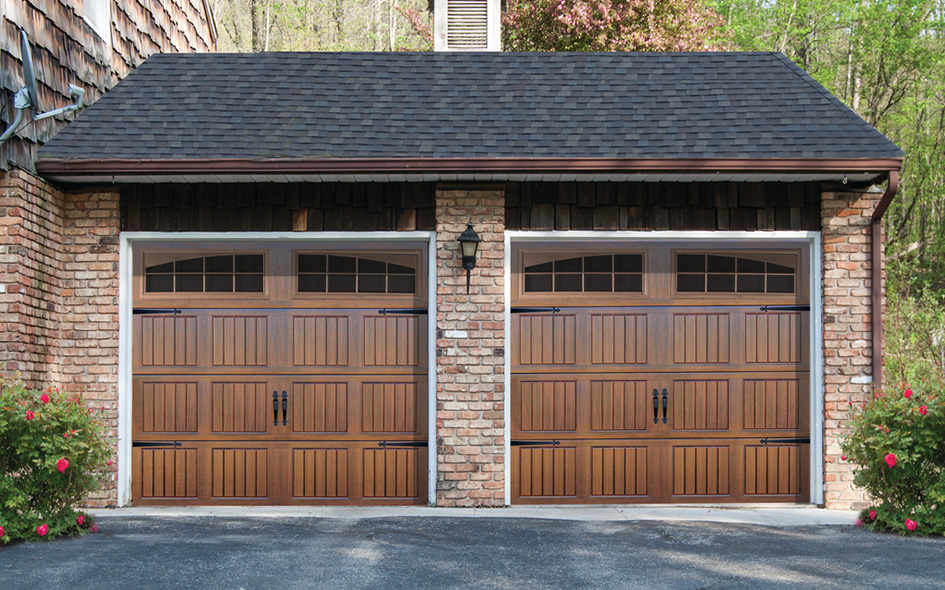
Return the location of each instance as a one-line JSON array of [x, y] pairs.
[[786, 441], [535, 310], [534, 443], [785, 308], [142, 311], [386, 444], [414, 311], [170, 443]]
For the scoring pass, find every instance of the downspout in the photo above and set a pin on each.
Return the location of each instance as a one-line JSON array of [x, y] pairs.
[[877, 274]]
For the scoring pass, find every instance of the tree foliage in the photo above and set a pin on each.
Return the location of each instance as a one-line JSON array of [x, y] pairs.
[[610, 25], [886, 60], [322, 25]]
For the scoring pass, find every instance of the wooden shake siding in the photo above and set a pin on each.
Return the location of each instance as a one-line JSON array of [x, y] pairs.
[[662, 206], [278, 207], [67, 51]]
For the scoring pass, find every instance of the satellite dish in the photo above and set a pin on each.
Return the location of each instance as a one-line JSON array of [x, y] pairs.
[[28, 96], [28, 76]]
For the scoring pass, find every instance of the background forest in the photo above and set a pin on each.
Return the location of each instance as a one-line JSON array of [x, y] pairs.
[[884, 58]]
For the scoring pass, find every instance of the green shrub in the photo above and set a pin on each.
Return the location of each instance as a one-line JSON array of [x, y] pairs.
[[897, 442], [52, 456]]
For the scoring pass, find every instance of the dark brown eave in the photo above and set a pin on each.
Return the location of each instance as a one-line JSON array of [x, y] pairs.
[[121, 167]]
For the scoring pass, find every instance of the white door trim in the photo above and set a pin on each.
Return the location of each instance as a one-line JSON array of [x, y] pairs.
[[128, 240], [816, 315]]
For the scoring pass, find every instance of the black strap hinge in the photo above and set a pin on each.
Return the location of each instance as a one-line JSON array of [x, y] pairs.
[[170, 443], [386, 444], [142, 311], [534, 443], [785, 441], [413, 311], [785, 308], [536, 309]]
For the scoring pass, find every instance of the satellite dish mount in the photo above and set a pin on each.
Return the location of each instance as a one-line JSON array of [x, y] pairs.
[[28, 96]]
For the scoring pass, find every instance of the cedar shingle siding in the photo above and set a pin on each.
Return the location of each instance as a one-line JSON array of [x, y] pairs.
[[67, 51]]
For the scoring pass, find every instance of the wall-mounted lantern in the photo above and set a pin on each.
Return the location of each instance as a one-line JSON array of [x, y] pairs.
[[468, 244]]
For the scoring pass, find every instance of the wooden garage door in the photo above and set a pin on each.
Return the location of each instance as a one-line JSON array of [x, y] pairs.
[[660, 374], [279, 375]]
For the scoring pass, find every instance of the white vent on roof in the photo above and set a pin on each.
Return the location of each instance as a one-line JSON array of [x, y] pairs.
[[466, 25]]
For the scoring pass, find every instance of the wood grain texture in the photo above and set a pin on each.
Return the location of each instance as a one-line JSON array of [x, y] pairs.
[[326, 206], [618, 339], [660, 206]]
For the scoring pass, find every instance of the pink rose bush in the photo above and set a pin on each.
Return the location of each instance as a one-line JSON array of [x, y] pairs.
[[52, 457], [896, 443]]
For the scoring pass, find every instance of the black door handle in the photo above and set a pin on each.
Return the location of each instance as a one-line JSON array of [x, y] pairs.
[[656, 406], [275, 408], [665, 403], [285, 404]]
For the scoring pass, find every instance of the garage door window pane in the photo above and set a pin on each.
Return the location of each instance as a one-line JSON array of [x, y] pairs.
[[219, 283], [539, 283], [219, 273], [401, 284], [780, 283], [568, 283], [628, 283], [597, 273], [598, 282], [312, 283], [372, 284], [320, 273], [718, 273], [690, 283], [342, 283]]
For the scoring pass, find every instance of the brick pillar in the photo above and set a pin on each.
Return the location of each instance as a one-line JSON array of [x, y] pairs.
[[470, 364], [30, 286], [89, 328], [847, 334]]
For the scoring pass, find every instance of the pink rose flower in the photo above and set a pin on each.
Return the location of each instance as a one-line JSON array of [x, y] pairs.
[[42, 529], [923, 410], [80, 520], [872, 515], [859, 522], [843, 457], [890, 460], [94, 528], [907, 393], [911, 525], [2, 532], [29, 414], [44, 398], [109, 462], [62, 465]]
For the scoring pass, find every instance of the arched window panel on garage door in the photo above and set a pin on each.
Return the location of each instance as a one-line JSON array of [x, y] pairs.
[[718, 272], [216, 273], [364, 272], [591, 273]]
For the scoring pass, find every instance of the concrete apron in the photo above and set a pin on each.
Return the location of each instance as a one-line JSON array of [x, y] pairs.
[[787, 516]]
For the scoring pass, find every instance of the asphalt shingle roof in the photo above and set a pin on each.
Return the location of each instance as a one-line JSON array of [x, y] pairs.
[[484, 105]]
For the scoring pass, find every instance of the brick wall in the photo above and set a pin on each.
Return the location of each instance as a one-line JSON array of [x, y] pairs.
[[89, 323], [470, 390], [847, 331], [59, 301], [30, 268]]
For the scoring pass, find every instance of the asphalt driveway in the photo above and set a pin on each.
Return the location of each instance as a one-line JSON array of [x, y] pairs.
[[138, 553]]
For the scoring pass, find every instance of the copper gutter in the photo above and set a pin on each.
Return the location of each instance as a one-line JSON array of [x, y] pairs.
[[98, 167], [876, 247]]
